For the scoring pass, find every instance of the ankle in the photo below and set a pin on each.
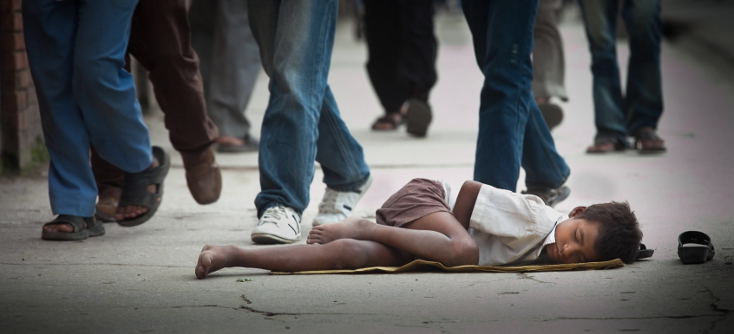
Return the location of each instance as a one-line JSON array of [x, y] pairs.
[[193, 158]]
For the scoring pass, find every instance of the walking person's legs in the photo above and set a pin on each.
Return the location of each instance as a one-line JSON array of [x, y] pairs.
[[296, 39], [417, 63], [231, 63], [511, 133], [159, 40], [600, 18], [381, 21], [548, 62], [644, 98], [85, 96], [401, 65]]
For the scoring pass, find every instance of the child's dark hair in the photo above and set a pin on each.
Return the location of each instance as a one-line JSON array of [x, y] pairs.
[[619, 234]]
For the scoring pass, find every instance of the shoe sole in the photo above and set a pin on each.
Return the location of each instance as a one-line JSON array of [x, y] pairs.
[[696, 254], [269, 239], [563, 193], [103, 217], [418, 117], [618, 147]]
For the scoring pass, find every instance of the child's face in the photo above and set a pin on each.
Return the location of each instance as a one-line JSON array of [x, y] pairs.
[[575, 240]]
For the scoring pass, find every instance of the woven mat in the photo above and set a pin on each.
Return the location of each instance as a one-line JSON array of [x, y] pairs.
[[423, 265]]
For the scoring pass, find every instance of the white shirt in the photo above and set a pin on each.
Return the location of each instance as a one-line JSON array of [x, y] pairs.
[[509, 228]]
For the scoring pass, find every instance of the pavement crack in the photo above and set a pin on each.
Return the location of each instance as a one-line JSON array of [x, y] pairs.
[[525, 276], [246, 300], [635, 318], [723, 313], [267, 314], [204, 306]]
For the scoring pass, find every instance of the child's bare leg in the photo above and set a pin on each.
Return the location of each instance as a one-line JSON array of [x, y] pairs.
[[341, 254], [438, 236]]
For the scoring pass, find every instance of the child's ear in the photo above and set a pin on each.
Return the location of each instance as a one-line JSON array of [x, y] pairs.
[[577, 210]]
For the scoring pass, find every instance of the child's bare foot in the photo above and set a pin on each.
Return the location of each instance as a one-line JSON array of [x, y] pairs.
[[349, 228], [213, 258]]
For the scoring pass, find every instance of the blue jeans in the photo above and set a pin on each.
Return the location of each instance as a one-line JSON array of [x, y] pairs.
[[512, 132], [618, 115], [76, 52], [302, 122]]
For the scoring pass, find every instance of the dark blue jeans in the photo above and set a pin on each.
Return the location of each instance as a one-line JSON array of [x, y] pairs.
[[617, 115], [512, 132], [302, 122]]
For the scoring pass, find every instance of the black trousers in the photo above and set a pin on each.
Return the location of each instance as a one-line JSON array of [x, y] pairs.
[[402, 50]]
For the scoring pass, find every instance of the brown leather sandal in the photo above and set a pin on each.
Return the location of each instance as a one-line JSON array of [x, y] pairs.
[[647, 140], [389, 122], [606, 146]]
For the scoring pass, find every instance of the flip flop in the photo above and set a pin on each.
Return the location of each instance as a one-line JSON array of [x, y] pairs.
[[135, 189], [390, 120], [251, 145], [644, 252], [83, 228], [695, 247]]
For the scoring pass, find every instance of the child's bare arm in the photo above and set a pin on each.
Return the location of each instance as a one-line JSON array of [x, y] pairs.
[[465, 202]]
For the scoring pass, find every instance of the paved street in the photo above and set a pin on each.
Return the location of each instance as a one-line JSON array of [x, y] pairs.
[[141, 279]]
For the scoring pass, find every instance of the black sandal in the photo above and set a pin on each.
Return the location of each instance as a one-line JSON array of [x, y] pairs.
[[644, 252], [84, 227], [695, 247], [135, 189]]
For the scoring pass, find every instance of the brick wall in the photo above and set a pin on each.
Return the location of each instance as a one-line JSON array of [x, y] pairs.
[[20, 123]]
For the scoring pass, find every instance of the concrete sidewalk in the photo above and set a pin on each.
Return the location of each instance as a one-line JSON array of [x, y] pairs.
[[141, 279]]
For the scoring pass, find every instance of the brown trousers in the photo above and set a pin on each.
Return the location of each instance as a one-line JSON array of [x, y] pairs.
[[161, 41]]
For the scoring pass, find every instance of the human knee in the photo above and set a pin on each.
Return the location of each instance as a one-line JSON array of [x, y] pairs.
[[90, 70], [349, 253], [463, 252]]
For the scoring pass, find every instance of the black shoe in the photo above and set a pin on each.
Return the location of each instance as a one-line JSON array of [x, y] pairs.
[[418, 117], [550, 196]]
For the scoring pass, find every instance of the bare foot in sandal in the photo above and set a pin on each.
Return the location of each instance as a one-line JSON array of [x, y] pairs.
[[60, 227], [349, 228], [131, 211], [388, 122], [68, 227]]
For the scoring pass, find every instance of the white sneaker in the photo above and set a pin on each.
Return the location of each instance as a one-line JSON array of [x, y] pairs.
[[278, 225], [338, 205]]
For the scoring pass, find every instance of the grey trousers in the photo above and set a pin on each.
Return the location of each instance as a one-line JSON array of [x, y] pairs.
[[230, 61], [548, 61]]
